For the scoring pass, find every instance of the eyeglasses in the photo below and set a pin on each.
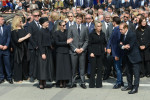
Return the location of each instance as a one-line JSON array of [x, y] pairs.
[[36, 15], [126, 16], [70, 16], [63, 25], [87, 18]]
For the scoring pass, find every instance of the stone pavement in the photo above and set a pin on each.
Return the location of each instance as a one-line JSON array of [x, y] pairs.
[[29, 91]]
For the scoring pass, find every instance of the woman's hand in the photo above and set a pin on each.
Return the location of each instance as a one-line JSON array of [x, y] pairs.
[[43, 56], [92, 55]]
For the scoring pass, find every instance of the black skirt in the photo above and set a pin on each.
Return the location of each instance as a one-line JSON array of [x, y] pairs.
[[44, 69], [63, 66]]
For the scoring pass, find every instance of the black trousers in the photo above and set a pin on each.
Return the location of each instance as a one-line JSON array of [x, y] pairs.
[[133, 69], [96, 66]]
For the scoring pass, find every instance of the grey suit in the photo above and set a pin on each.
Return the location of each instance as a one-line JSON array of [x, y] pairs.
[[107, 31], [79, 41]]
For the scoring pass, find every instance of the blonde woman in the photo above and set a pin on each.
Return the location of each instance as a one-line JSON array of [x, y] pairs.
[[19, 42]]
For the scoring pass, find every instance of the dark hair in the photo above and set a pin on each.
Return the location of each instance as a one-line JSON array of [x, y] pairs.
[[140, 23], [80, 15], [116, 20], [125, 25], [110, 7]]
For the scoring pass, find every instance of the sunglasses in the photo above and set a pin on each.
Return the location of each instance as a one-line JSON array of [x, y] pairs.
[[70, 16], [126, 16], [63, 25], [87, 18], [36, 15]]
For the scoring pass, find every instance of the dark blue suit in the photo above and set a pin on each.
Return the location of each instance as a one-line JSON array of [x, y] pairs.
[[132, 58], [86, 4], [113, 44], [117, 3], [5, 54], [51, 25], [126, 4], [134, 5], [140, 1], [91, 28]]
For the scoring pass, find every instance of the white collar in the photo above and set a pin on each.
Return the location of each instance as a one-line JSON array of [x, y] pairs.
[[126, 33]]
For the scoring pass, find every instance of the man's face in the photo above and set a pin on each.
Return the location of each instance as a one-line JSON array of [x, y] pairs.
[[109, 10], [100, 12], [78, 10], [126, 17], [36, 16], [78, 20], [122, 30], [88, 18], [70, 17], [1, 20], [107, 18]]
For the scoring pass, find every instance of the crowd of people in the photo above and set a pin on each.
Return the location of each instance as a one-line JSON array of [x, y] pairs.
[[65, 40]]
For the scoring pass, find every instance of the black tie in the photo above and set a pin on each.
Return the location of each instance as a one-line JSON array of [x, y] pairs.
[[38, 25], [79, 30]]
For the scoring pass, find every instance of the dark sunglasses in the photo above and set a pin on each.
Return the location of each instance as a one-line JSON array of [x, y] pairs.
[[126, 16], [87, 18], [36, 15], [70, 16], [63, 25]]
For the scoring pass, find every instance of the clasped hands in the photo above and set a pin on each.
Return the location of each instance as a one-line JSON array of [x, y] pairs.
[[3, 47], [79, 51]]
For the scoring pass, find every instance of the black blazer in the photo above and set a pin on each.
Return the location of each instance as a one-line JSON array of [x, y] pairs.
[[33, 40], [97, 43], [133, 53], [143, 38], [61, 42]]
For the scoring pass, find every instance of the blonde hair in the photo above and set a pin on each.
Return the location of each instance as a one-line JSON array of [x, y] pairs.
[[97, 22], [16, 22]]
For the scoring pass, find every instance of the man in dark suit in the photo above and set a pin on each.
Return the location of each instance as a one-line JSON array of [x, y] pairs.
[[126, 4], [88, 3], [141, 3], [134, 4], [113, 45], [90, 27], [71, 20], [4, 52], [126, 20], [33, 29], [117, 4], [132, 57], [107, 28], [78, 49], [79, 3]]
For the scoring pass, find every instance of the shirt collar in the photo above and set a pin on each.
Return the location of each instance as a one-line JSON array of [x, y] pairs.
[[126, 33]]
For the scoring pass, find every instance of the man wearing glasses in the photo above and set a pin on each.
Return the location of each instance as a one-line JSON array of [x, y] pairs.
[[33, 29], [71, 20], [126, 20]]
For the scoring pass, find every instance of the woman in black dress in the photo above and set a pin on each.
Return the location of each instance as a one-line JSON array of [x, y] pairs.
[[97, 49], [19, 43], [44, 70], [143, 38], [63, 64]]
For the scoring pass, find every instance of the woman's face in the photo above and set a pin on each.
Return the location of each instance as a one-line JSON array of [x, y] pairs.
[[45, 24], [63, 26], [143, 22], [98, 27]]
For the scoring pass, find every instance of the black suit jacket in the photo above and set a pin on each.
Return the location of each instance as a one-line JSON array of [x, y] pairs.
[[133, 52], [61, 42], [97, 43], [33, 40]]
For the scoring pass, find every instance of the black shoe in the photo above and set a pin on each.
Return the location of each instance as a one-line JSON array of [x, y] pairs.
[[141, 76], [148, 76], [133, 91], [72, 86], [83, 86], [117, 86], [99, 86], [10, 81], [105, 77], [122, 84], [126, 88], [1, 81], [31, 79]]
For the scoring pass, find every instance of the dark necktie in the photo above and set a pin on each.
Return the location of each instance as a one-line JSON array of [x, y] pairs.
[[1, 33], [79, 30], [38, 25]]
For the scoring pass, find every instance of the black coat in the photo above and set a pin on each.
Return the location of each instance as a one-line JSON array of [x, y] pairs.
[[61, 42], [143, 38], [97, 43], [133, 52]]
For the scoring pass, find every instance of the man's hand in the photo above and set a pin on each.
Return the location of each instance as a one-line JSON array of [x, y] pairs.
[[127, 46], [81, 50], [1, 47], [43, 56], [77, 51], [108, 51], [5, 47], [116, 58], [142, 47]]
